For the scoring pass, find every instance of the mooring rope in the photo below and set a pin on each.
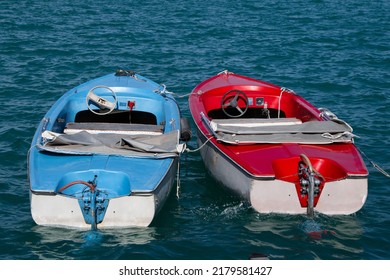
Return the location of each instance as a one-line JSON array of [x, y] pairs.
[[375, 165], [178, 180], [180, 96], [280, 100], [188, 150], [199, 148]]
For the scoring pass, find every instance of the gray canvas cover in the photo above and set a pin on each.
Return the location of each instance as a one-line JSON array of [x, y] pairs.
[[312, 132], [83, 142]]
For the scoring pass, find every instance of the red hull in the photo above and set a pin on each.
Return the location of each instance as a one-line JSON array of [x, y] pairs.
[[270, 161]]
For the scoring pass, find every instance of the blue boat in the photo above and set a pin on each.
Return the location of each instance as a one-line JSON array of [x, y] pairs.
[[106, 154]]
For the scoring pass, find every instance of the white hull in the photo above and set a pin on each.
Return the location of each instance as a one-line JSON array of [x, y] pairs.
[[138, 209], [269, 195]]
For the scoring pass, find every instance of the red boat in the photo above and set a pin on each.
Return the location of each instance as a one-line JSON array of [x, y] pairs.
[[275, 149]]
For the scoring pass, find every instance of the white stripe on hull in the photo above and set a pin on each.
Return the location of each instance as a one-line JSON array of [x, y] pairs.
[[337, 198], [59, 210]]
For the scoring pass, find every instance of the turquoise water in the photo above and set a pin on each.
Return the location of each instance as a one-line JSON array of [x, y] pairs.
[[334, 53]]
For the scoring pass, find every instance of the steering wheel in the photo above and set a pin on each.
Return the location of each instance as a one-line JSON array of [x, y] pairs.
[[230, 99], [101, 102]]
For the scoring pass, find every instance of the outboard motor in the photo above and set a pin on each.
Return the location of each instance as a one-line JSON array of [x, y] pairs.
[[185, 129]]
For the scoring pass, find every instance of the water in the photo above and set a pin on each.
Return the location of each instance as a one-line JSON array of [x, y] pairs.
[[335, 54]]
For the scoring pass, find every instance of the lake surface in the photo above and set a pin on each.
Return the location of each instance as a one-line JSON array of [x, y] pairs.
[[336, 54]]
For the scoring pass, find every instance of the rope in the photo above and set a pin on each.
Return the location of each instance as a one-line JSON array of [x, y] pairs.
[[181, 96], [226, 72], [178, 180], [345, 134], [280, 99], [178, 165], [165, 91], [198, 149], [376, 166]]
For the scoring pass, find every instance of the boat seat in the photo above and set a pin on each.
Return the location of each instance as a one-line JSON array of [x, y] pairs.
[[113, 128]]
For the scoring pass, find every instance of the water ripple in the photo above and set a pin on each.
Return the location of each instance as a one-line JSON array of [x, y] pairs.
[[335, 54]]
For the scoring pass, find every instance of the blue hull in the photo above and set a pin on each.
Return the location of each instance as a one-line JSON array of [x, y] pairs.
[[104, 181]]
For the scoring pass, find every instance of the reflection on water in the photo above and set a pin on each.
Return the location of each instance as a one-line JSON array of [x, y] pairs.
[[298, 237], [60, 243]]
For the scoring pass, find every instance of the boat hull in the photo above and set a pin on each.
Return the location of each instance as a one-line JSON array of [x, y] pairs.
[[136, 209], [270, 195]]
